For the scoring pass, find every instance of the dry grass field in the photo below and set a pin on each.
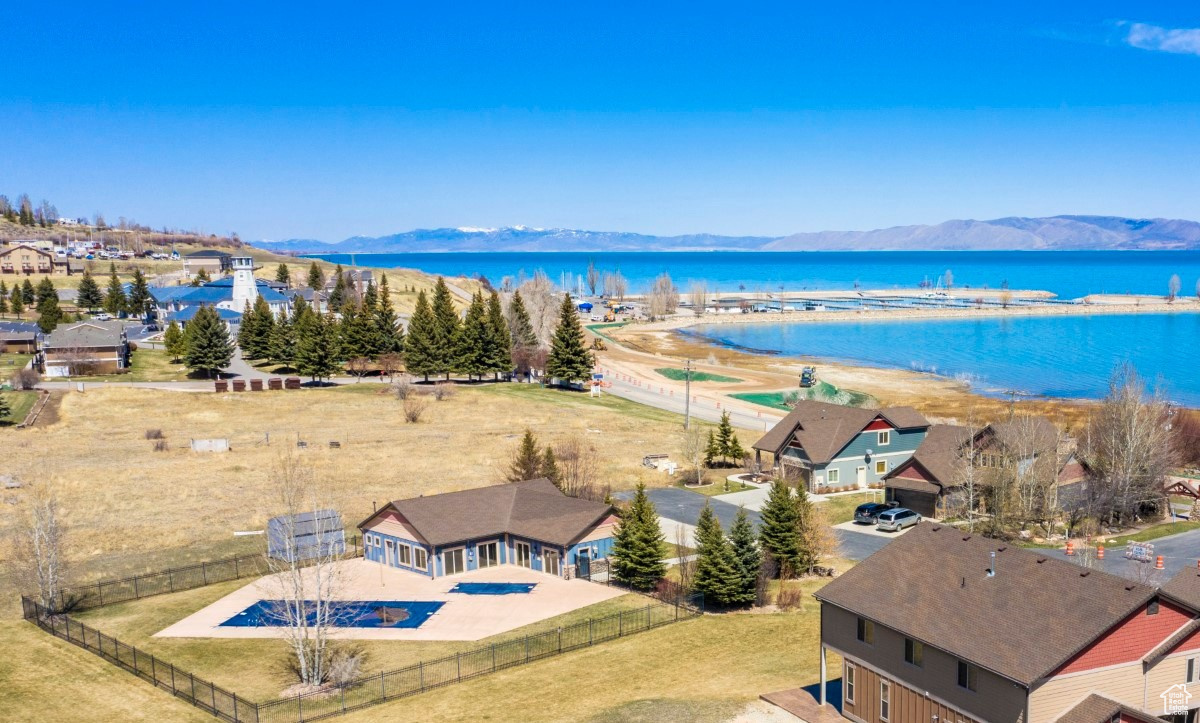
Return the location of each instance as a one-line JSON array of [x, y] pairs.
[[131, 509]]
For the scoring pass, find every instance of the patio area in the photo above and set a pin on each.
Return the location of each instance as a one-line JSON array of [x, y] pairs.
[[460, 617]]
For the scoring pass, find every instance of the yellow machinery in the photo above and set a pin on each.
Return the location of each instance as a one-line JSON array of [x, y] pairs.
[[599, 345]]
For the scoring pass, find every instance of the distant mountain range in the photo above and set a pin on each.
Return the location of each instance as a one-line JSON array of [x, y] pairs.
[[1055, 233]]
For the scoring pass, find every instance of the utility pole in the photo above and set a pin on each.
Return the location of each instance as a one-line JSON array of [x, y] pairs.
[[687, 394]]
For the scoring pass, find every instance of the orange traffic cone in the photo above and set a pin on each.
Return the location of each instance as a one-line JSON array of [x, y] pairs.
[[1070, 547], [1158, 563], [1100, 552]]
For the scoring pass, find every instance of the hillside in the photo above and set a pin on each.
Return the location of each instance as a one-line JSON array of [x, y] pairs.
[[1056, 233]]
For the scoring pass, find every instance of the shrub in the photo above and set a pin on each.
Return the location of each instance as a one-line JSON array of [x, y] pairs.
[[133, 347], [789, 597], [25, 379], [160, 445], [443, 390], [414, 407], [403, 387], [154, 434]]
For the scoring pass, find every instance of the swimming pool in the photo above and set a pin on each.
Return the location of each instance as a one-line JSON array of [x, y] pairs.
[[493, 588], [346, 614]]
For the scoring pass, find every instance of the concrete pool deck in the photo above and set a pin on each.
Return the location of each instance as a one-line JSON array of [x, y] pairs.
[[463, 617]]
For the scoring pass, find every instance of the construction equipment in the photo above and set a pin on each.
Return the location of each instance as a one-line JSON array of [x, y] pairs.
[[808, 377], [610, 317], [599, 345]]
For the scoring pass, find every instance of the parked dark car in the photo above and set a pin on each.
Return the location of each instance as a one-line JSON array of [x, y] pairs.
[[897, 519], [869, 513]]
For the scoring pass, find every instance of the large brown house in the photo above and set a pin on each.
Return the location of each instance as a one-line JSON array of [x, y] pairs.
[[941, 625], [26, 260], [89, 347]]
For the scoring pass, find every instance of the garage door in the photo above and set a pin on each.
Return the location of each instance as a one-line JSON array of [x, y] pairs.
[[920, 502]]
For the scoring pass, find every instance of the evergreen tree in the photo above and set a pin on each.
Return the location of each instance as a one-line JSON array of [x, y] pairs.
[[569, 360], [389, 336], [316, 278], [778, 533], [638, 545], [90, 297], [807, 558], [18, 301], [337, 297], [550, 468], [115, 302], [445, 330], [283, 334], [5, 408], [357, 332], [28, 295], [527, 461], [717, 574], [209, 349], [712, 450], [49, 314], [419, 354], [3, 299], [283, 276], [747, 557], [139, 294], [370, 332], [521, 331], [318, 350], [202, 278], [500, 346], [245, 330], [474, 341], [45, 289], [257, 324], [725, 436], [173, 341]]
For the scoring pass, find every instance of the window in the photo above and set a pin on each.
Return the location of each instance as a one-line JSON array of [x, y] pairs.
[[884, 437], [866, 631], [881, 467], [1193, 668], [1152, 608], [833, 476], [966, 675], [851, 671], [914, 652], [885, 699], [405, 555], [421, 561]]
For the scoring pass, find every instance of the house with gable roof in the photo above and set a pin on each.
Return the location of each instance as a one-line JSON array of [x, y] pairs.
[[839, 447]]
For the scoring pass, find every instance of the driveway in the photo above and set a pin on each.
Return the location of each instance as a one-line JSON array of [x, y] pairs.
[[684, 506]]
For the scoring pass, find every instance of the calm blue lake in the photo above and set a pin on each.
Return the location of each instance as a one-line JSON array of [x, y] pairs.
[[1060, 356], [1070, 274]]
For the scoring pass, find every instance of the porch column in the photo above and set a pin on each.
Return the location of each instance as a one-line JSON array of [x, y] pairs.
[[822, 676]]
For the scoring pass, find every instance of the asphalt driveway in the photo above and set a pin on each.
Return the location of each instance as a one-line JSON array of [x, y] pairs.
[[1179, 552]]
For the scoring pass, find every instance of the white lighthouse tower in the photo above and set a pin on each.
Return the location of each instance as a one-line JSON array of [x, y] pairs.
[[245, 289]]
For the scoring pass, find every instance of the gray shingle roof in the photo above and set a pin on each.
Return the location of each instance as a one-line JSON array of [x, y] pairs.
[[938, 455], [1023, 623], [86, 335], [824, 429], [1097, 708], [533, 508]]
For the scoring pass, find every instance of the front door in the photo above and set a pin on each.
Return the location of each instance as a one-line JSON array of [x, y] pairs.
[[391, 552], [489, 554], [583, 562], [521, 553], [550, 563], [452, 561], [861, 474]]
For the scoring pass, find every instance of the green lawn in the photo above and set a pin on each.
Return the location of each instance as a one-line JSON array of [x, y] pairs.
[[579, 400], [147, 365], [821, 392], [1155, 532], [21, 403], [599, 329], [10, 363], [841, 508], [719, 487], [678, 375], [251, 667]]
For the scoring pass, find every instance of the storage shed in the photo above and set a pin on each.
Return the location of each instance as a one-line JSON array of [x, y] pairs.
[[306, 535]]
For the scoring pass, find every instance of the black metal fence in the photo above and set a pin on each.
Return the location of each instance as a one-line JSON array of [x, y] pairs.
[[368, 690], [110, 592]]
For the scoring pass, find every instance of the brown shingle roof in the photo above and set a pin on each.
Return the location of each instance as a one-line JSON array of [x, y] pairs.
[[938, 455], [533, 508], [931, 584], [1097, 708], [824, 429], [1185, 587]]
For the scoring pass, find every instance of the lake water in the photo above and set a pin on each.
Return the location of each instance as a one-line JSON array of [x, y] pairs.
[[1070, 274], [1060, 356]]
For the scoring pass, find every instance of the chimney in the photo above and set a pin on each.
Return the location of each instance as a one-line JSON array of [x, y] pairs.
[[992, 569]]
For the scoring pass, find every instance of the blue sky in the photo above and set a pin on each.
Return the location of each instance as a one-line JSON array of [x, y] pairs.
[[328, 120]]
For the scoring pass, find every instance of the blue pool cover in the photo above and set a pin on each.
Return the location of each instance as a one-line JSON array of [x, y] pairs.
[[493, 588], [346, 614]]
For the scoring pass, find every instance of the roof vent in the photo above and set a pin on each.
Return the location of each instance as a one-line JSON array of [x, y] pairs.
[[935, 528], [1040, 560], [1085, 573], [966, 538], [992, 569], [1129, 587], [1001, 549]]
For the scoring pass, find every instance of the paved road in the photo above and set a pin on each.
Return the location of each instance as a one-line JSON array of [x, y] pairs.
[[685, 506], [1181, 551], [704, 408]]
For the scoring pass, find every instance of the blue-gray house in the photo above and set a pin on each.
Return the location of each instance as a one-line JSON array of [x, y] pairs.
[[830, 446], [529, 524]]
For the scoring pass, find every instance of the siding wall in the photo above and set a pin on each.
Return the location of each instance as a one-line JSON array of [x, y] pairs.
[[899, 451], [995, 698], [1058, 695], [1130, 640], [905, 704]]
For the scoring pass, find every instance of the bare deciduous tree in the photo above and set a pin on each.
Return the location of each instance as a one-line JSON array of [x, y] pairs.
[[579, 469], [360, 366], [542, 302], [663, 297], [967, 474], [615, 285], [306, 578], [699, 297], [948, 279], [1127, 448], [817, 535], [389, 364], [1173, 286], [38, 564], [414, 406], [695, 443], [593, 277], [687, 563]]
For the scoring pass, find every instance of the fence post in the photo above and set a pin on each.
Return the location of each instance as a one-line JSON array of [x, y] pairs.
[[620, 623], [560, 641], [100, 592], [458, 664], [421, 674], [590, 621], [526, 648], [493, 657], [236, 573], [383, 686], [154, 670], [343, 699], [135, 669], [171, 578], [137, 595], [204, 573], [173, 691]]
